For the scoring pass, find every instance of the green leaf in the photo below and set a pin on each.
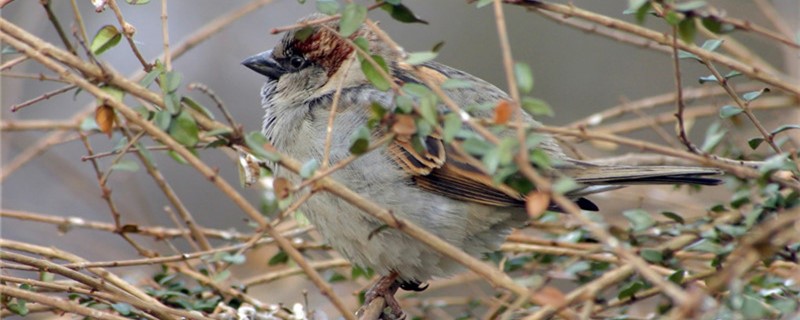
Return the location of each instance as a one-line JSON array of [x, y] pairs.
[[438, 46], [784, 128], [537, 107], [171, 81], [125, 165], [336, 277], [677, 276], [88, 124], [8, 50], [524, 76], [358, 271], [121, 307], [303, 33], [690, 5], [754, 308], [712, 44], [279, 258], [491, 160], [362, 43], [221, 276], [752, 95], [540, 159], [308, 168], [256, 141], [114, 92], [714, 25], [353, 16], [184, 129], [427, 108], [630, 290], [359, 141], [728, 111], [564, 185], [642, 12], [476, 146], [234, 258], [755, 142], [416, 58], [452, 125], [672, 18], [654, 256], [106, 38], [329, 7], [687, 30], [776, 162], [373, 75], [402, 13], [714, 135], [144, 152], [19, 307], [706, 245], [404, 104], [162, 119], [688, 55], [483, 3], [197, 107], [712, 78], [673, 216], [150, 77], [639, 219]]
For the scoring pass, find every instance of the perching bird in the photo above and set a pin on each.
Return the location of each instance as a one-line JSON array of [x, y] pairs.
[[437, 189]]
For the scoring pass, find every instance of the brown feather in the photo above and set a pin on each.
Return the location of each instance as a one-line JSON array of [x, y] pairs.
[[444, 170]]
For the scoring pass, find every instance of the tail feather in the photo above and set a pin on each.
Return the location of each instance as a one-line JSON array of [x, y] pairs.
[[633, 175], [600, 178]]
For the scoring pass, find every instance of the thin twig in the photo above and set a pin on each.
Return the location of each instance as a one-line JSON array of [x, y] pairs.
[[13, 62], [332, 116], [128, 30], [57, 25], [165, 36], [44, 96], [676, 67]]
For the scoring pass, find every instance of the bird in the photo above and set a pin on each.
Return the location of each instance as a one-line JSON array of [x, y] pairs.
[[435, 186]]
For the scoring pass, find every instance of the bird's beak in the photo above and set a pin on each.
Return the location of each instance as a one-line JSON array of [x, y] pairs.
[[265, 64]]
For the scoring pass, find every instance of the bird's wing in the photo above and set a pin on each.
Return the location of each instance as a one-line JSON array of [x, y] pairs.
[[446, 170], [442, 169]]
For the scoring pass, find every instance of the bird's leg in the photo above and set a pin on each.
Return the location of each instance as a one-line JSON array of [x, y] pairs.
[[386, 287]]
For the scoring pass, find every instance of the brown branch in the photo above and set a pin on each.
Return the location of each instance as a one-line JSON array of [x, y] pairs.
[[58, 303], [35, 125]]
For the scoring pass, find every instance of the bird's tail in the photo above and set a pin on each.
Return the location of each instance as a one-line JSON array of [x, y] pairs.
[[593, 175]]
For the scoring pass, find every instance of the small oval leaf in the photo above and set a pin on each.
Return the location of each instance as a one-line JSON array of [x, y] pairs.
[[106, 38]]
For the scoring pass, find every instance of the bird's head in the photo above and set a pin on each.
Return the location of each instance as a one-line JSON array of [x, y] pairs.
[[311, 62]]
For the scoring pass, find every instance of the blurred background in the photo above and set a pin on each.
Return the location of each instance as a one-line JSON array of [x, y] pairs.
[[577, 73]]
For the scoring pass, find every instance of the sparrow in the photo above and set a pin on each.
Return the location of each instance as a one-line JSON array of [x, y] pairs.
[[437, 188]]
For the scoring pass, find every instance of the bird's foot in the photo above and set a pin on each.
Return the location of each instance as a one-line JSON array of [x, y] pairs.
[[384, 288]]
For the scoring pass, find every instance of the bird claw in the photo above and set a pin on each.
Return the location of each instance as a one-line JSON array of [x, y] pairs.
[[385, 288]]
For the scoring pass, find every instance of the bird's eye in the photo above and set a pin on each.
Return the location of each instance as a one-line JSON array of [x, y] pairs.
[[296, 61]]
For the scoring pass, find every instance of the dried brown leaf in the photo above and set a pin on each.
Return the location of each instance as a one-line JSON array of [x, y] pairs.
[[105, 117], [282, 187], [502, 112], [537, 203]]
